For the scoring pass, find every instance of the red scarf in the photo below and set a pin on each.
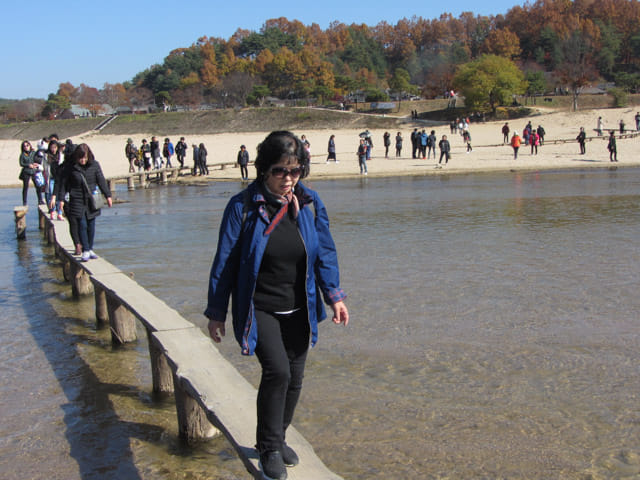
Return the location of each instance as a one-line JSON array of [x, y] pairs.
[[289, 200]]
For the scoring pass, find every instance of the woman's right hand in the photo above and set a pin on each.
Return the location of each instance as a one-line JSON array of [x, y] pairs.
[[216, 330]]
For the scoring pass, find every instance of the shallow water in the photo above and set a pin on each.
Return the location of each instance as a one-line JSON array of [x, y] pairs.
[[494, 334]]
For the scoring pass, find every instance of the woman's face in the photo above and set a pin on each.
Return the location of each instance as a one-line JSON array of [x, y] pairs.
[[53, 147], [82, 160], [26, 146], [282, 177]]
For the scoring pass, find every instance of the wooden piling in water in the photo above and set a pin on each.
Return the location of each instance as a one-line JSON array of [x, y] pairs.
[[20, 215]]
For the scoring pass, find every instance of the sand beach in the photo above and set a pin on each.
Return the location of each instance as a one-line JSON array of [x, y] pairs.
[[560, 150]]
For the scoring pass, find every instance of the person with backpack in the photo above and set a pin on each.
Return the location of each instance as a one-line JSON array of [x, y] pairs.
[[131, 152], [424, 143], [146, 155], [167, 152], [181, 151], [277, 261]]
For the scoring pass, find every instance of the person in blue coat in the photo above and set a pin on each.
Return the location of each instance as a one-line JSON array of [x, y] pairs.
[[277, 261]]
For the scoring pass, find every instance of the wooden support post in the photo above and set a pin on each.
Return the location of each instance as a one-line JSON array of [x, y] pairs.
[[50, 233], [42, 220], [122, 321], [112, 185], [102, 312], [80, 280], [143, 179], [223, 166], [66, 267], [164, 177], [160, 370], [20, 214], [130, 183], [193, 424]]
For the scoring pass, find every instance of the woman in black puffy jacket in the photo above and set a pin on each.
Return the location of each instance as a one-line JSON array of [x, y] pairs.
[[80, 178]]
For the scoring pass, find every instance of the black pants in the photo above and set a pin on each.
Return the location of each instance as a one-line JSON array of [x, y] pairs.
[[244, 172], [25, 188], [283, 342]]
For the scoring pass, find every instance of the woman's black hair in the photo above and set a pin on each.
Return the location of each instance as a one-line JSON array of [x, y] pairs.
[[280, 144], [82, 150]]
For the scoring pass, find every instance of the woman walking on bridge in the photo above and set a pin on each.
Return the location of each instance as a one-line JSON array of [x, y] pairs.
[[275, 256], [80, 178]]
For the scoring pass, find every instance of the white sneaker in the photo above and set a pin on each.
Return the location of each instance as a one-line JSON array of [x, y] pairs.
[[85, 257], [92, 255]]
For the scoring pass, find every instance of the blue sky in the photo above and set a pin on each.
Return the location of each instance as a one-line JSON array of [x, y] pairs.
[[44, 43]]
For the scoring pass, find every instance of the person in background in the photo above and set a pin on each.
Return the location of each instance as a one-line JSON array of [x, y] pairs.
[[131, 152], [466, 137], [516, 141], [202, 160], [582, 138], [243, 161], [331, 149], [534, 140], [505, 133], [196, 159], [146, 155], [431, 144], [362, 156], [30, 167], [167, 152], [611, 146], [445, 150], [398, 144], [621, 126], [277, 260], [80, 178], [386, 140], [181, 151], [155, 153], [599, 126], [54, 169], [541, 134]]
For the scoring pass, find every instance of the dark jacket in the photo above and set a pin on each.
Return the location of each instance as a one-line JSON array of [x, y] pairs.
[[71, 182], [243, 158], [27, 159], [241, 245]]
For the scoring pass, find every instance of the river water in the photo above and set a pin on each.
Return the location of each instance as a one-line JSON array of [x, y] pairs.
[[494, 334]]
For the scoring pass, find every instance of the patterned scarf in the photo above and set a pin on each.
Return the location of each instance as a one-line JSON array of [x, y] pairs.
[[288, 203]]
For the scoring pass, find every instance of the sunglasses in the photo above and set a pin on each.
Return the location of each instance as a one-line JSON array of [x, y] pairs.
[[281, 172]]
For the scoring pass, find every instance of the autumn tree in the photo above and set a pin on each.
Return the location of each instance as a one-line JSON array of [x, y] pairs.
[[576, 69], [489, 81], [502, 42]]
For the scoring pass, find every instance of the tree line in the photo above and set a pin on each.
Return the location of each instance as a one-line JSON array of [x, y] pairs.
[[536, 48]]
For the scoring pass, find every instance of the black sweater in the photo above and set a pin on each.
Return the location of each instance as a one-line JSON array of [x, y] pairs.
[[280, 286]]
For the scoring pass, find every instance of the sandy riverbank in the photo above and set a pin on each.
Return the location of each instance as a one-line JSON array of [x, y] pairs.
[[488, 152]]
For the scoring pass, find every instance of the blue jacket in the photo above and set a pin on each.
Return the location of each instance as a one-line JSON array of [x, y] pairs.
[[241, 245]]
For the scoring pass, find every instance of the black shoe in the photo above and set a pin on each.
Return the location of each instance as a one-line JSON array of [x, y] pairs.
[[289, 456], [272, 465]]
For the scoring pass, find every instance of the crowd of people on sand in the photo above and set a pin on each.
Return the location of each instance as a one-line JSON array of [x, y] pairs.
[[68, 179]]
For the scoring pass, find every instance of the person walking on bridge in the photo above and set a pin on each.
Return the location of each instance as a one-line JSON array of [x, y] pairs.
[[277, 260]]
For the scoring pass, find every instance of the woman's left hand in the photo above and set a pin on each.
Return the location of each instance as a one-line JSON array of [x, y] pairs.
[[340, 313], [109, 202]]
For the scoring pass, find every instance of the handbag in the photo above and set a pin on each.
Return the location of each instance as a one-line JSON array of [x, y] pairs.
[[38, 177], [96, 199]]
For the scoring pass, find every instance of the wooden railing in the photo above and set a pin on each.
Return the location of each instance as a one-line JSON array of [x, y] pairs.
[[211, 396]]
